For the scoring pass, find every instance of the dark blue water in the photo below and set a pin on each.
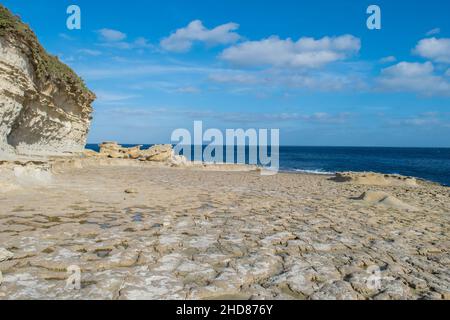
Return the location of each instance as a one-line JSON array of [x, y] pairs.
[[427, 163]]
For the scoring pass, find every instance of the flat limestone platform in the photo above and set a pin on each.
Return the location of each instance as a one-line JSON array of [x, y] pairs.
[[141, 232]]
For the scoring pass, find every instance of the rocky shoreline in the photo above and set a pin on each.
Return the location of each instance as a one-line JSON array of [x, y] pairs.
[[150, 230]]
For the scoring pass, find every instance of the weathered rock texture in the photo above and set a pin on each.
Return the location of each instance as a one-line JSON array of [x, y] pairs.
[[144, 231], [45, 107], [157, 153], [115, 151]]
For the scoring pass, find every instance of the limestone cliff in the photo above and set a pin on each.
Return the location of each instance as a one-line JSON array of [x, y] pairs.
[[45, 108]]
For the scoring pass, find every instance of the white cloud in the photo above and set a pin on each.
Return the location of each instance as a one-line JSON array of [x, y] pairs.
[[409, 69], [388, 59], [250, 117], [141, 70], [326, 82], [116, 45], [323, 118], [139, 43], [235, 78], [65, 36], [142, 42], [306, 52], [188, 89], [318, 117], [433, 32], [108, 97], [111, 35], [287, 79], [435, 49], [90, 52], [115, 39], [428, 119], [183, 39], [414, 77]]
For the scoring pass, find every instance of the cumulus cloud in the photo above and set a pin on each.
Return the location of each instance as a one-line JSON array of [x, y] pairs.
[[414, 77], [306, 52], [409, 69], [183, 39], [435, 49], [110, 38], [111, 35]]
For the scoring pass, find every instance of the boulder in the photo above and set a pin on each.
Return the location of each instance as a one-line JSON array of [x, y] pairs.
[[158, 153], [116, 151], [134, 153], [386, 200]]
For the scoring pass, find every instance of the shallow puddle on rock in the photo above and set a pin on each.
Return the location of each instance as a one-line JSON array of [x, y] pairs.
[[103, 253], [137, 217]]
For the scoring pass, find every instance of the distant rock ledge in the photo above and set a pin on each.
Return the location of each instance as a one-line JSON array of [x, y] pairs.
[[45, 108], [377, 179], [157, 153]]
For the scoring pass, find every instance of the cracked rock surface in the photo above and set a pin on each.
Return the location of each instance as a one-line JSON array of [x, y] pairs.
[[197, 234]]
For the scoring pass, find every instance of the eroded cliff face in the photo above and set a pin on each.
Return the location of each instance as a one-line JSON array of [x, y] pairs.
[[45, 109]]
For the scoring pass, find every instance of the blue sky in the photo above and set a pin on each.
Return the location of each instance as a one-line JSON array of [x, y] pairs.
[[310, 68]]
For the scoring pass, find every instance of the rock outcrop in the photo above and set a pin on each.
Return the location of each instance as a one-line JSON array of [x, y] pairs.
[[157, 153], [45, 108], [386, 200], [375, 179], [115, 151]]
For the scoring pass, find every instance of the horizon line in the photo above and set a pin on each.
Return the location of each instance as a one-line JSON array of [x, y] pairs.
[[292, 145]]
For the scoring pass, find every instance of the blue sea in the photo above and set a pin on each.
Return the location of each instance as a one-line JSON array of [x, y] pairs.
[[426, 163]]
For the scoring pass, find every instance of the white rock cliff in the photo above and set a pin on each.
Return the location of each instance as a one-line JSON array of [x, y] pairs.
[[45, 109]]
